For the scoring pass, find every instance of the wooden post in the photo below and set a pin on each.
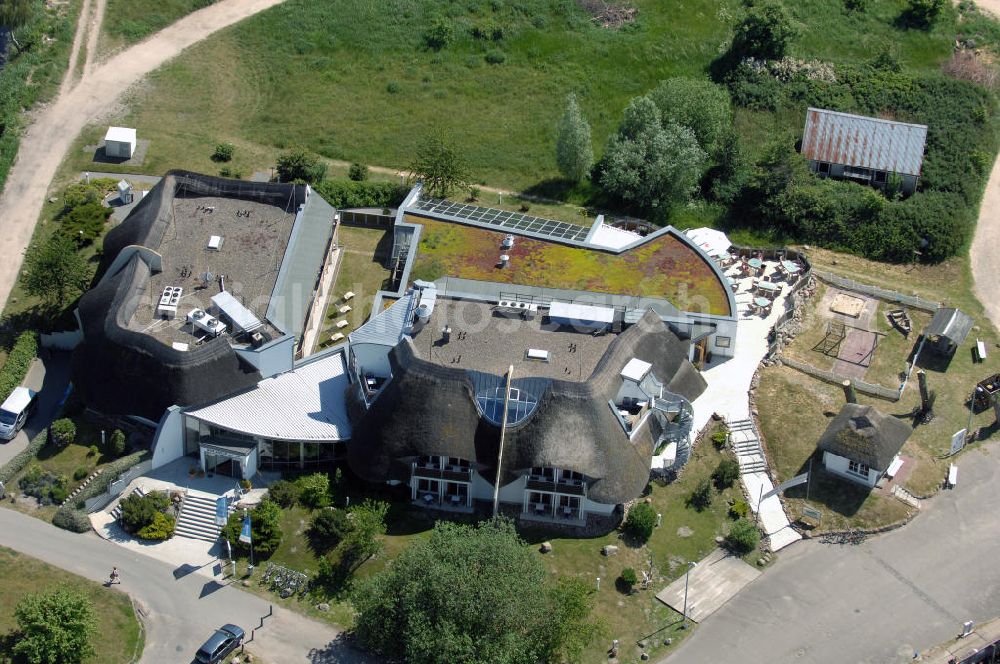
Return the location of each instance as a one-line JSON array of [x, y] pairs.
[[849, 392], [996, 408], [925, 397]]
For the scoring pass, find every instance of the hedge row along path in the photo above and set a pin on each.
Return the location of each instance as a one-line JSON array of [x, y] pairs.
[[54, 127]]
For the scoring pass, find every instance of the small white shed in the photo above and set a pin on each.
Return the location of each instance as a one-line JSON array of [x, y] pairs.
[[119, 142], [124, 192]]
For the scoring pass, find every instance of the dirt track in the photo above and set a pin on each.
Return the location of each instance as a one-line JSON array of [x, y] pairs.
[[55, 127]]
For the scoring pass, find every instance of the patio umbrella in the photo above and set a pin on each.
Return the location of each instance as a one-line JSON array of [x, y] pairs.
[[713, 242]]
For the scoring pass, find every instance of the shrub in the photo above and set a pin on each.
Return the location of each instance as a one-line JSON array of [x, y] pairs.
[[93, 451], [139, 512], [641, 521], [58, 494], [299, 165], [18, 362], [727, 472], [314, 490], [348, 193], [856, 5], [55, 626], [743, 536], [246, 485], [719, 439], [63, 431], [223, 152], [922, 13], [22, 458], [84, 223], [764, 33], [701, 497], [160, 528], [629, 577], [44, 486], [265, 528], [740, 509], [439, 35], [80, 473], [393, 87], [111, 472], [327, 529], [73, 520], [283, 492], [474, 194], [357, 172], [496, 57], [116, 443]]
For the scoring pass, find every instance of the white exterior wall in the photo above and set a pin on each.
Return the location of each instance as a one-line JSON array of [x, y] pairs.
[[120, 149], [723, 329], [272, 358], [168, 442], [592, 507], [838, 465]]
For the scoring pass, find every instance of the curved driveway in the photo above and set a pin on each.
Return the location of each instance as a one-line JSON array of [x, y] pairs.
[[56, 125], [877, 602]]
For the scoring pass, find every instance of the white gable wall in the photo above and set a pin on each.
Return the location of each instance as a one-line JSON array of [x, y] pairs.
[[838, 465]]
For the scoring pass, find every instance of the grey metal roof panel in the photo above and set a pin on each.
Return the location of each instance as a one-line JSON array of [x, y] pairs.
[[305, 404], [863, 142], [950, 322], [388, 327], [301, 265]]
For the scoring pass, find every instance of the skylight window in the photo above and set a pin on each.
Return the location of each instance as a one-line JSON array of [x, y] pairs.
[[519, 406]]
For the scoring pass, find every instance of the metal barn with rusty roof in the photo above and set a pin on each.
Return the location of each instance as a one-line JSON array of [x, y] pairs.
[[863, 149]]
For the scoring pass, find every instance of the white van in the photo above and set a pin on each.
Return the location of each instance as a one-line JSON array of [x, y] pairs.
[[16, 410]]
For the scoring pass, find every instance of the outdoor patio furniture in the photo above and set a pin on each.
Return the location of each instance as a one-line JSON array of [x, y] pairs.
[[342, 323], [768, 287], [952, 476], [791, 267], [980, 350], [455, 500], [762, 302], [348, 295], [344, 309], [899, 319], [755, 263], [567, 512], [336, 337], [428, 498]]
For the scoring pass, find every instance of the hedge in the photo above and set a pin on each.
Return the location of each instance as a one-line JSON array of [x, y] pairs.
[[18, 362], [23, 458], [100, 484], [350, 194], [70, 519]]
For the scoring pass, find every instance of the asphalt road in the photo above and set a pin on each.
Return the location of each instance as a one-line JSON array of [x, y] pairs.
[[877, 602], [180, 607], [50, 378]]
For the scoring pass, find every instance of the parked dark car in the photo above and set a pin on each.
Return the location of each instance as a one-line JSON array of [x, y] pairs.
[[225, 640]]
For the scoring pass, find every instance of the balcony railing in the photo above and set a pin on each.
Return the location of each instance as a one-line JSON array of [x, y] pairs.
[[570, 487], [450, 473]]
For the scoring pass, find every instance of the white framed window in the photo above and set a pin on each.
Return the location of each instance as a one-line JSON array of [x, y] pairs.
[[857, 468], [723, 342]]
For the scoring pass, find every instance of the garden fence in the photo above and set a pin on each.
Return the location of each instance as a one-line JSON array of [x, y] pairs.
[[101, 501], [831, 377], [881, 293]]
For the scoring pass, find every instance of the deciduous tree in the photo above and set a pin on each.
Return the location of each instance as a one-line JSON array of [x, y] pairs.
[[54, 271], [439, 166], [56, 627], [764, 33], [574, 154]]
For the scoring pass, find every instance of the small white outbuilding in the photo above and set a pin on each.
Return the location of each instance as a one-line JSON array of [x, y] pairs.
[[119, 142]]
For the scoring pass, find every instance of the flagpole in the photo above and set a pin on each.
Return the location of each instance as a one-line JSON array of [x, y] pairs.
[[809, 479]]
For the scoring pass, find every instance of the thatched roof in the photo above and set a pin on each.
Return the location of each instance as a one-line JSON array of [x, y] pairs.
[[429, 409], [863, 434]]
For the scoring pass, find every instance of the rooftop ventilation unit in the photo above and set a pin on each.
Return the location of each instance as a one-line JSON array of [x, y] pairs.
[[215, 243], [201, 320], [504, 260], [508, 242], [169, 299]]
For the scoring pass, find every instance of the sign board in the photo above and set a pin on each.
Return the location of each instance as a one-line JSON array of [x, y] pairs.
[[812, 513], [788, 484], [245, 536], [221, 511], [957, 442]]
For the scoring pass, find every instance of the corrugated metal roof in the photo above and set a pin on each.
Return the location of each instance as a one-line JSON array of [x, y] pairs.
[[949, 322], [863, 142], [306, 404], [387, 328], [301, 266]]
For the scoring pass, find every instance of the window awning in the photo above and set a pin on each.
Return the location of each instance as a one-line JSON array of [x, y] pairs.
[[229, 449]]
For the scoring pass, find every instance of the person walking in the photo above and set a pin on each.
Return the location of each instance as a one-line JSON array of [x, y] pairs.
[[115, 576]]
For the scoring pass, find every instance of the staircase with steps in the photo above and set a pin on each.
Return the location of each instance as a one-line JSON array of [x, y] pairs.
[[117, 511], [197, 518], [746, 444]]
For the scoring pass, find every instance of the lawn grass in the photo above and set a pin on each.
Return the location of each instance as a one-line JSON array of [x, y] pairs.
[[352, 80], [119, 637], [128, 21], [362, 272], [663, 268]]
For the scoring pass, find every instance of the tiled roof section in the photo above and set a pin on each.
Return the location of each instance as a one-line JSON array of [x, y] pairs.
[[863, 142], [306, 404]]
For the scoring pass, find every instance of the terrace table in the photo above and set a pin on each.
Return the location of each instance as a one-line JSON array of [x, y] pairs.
[[768, 286], [790, 267], [762, 302], [755, 263]]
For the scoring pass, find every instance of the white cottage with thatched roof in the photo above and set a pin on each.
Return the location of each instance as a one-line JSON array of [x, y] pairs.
[[861, 443]]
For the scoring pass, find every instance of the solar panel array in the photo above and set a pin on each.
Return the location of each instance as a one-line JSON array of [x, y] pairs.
[[504, 219]]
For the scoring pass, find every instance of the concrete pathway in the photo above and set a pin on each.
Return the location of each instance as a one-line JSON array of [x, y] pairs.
[[50, 378], [877, 602], [56, 125], [180, 608], [716, 579], [728, 395]]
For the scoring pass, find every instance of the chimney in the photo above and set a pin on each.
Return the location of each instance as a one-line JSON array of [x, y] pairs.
[[849, 392]]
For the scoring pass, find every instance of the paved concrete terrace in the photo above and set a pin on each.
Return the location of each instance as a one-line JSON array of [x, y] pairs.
[[488, 343], [197, 556], [711, 583], [728, 395]]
